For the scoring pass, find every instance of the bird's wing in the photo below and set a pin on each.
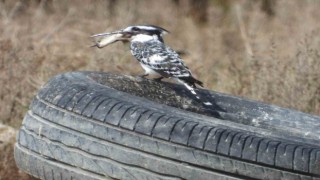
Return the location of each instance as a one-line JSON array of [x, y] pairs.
[[164, 60]]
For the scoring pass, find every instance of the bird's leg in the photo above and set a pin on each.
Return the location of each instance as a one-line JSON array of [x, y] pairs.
[[158, 79], [144, 75]]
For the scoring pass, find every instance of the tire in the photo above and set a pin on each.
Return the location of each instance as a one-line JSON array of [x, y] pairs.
[[87, 125]]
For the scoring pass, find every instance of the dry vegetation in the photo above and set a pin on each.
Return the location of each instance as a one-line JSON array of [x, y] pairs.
[[270, 55]]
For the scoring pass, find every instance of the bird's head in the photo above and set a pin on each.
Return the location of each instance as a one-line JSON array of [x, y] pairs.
[[131, 33]]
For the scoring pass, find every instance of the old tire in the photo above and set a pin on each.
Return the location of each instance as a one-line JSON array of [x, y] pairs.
[[79, 127]]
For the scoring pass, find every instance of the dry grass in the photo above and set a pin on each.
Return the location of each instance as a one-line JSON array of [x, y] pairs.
[[8, 169], [240, 51]]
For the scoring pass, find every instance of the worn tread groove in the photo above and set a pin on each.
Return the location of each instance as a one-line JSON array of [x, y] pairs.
[[67, 166], [122, 104], [147, 119], [77, 89], [191, 131], [121, 115], [227, 132], [107, 102], [74, 98], [174, 125], [167, 120], [309, 161], [151, 114], [206, 138], [60, 162], [136, 109], [59, 143], [257, 149], [138, 119], [215, 132], [243, 144], [219, 139], [231, 142], [276, 153], [293, 156], [113, 106], [97, 105], [310, 156], [85, 93], [155, 124], [185, 124], [171, 159], [309, 164], [64, 94], [202, 128], [125, 112], [289, 170], [86, 106], [106, 115]]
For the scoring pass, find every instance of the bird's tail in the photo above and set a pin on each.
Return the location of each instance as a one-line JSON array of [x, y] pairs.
[[191, 81], [191, 88]]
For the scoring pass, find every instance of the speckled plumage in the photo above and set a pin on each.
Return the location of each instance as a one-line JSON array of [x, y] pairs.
[[148, 47], [162, 59]]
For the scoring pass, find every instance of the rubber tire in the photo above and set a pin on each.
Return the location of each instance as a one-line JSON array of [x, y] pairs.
[[77, 128]]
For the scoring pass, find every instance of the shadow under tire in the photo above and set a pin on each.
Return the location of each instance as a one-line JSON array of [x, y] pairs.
[[78, 128]]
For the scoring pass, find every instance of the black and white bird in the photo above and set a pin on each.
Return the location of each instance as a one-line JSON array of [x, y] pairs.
[[148, 47]]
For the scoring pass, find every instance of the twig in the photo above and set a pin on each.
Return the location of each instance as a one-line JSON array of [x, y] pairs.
[[243, 31]]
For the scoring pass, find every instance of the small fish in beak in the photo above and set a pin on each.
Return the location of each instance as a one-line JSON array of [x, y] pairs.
[[106, 39]]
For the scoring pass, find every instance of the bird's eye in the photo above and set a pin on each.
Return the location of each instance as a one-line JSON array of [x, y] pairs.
[[135, 29]]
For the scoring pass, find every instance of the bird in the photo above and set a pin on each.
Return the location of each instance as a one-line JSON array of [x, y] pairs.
[[155, 57]]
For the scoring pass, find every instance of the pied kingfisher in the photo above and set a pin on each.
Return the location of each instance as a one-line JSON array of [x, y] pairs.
[[148, 47]]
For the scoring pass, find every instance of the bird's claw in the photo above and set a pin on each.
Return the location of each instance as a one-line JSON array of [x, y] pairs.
[[158, 79], [144, 75]]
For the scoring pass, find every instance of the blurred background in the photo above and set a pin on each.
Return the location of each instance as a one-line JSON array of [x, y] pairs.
[[266, 50]]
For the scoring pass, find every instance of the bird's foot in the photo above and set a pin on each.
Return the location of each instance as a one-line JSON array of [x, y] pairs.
[[158, 79], [144, 75]]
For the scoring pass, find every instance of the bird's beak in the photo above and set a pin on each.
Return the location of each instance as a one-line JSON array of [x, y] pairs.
[[104, 39]]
